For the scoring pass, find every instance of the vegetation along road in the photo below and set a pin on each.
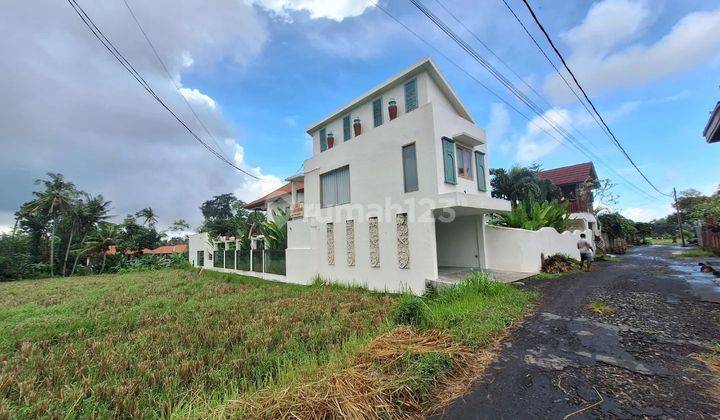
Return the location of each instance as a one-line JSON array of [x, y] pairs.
[[635, 338]]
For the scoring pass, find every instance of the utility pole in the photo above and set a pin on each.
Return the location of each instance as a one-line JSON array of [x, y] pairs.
[[679, 219]]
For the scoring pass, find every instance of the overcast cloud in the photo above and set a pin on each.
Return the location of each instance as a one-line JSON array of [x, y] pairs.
[[69, 107]]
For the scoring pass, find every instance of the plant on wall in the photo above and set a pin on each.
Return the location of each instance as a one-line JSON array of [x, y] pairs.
[[275, 230], [533, 215]]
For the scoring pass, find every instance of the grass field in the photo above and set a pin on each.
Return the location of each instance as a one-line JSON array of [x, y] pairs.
[[178, 343]]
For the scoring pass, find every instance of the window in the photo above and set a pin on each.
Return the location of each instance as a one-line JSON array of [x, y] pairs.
[[449, 160], [335, 187], [464, 162], [480, 165], [410, 176], [346, 128], [411, 99], [323, 140], [200, 259], [377, 112]]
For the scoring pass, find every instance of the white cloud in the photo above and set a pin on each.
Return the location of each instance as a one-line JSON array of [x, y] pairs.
[[535, 142], [603, 61], [251, 188], [195, 96], [497, 127], [335, 9], [647, 213]]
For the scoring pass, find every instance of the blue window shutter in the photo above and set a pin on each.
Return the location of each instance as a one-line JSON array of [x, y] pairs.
[[377, 112], [323, 140], [480, 169], [449, 160], [411, 98], [346, 128]]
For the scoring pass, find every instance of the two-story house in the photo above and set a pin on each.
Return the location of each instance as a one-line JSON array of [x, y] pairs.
[[396, 189], [394, 196]]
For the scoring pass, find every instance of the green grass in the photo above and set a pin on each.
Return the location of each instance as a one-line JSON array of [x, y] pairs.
[[180, 343], [600, 307], [477, 310], [166, 342], [694, 253], [661, 241]]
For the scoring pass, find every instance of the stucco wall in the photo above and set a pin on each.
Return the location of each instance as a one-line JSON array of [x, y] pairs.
[[522, 250], [459, 242], [199, 242]]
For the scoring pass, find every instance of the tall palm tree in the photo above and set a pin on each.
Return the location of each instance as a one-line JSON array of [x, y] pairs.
[[58, 197], [102, 237], [93, 210], [149, 215]]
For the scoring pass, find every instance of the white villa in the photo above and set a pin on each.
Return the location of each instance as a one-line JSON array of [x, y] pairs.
[[394, 196]]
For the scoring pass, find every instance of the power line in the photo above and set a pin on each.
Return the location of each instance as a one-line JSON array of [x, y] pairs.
[[542, 98], [562, 59], [511, 87], [172, 80], [110, 47]]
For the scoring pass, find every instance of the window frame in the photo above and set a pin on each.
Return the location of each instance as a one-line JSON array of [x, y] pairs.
[[382, 117], [347, 130], [467, 167], [402, 158], [417, 99], [481, 157], [322, 134], [322, 200]]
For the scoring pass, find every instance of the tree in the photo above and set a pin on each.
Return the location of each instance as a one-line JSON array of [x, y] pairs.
[[54, 202], [148, 215], [179, 225], [92, 211], [135, 237], [225, 215], [616, 226], [522, 184], [102, 237], [643, 230], [275, 230]]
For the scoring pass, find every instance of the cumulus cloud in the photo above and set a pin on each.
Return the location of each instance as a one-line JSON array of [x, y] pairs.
[[69, 107], [604, 58], [335, 10], [647, 213], [535, 142]]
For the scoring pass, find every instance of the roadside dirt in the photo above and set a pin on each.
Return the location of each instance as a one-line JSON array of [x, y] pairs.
[[636, 359]]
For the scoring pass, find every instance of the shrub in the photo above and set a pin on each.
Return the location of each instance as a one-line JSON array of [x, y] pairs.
[[427, 370], [411, 310], [16, 262], [533, 215]]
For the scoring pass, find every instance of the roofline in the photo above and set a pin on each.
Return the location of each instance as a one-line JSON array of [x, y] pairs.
[[712, 117], [426, 64]]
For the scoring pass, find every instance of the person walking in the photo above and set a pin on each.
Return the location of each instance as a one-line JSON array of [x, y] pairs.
[[586, 252]]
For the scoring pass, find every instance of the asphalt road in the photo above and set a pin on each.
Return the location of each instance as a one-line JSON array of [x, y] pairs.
[[637, 361]]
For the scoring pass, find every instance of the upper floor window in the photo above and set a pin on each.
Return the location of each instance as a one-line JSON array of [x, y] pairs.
[[464, 162], [323, 139], [335, 187], [448, 148], [410, 175], [480, 165], [411, 97], [346, 128], [377, 112]]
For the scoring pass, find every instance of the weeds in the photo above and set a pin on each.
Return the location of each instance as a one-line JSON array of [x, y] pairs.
[[600, 308], [694, 253]]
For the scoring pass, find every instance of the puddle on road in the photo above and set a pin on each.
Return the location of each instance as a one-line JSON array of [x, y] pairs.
[[704, 285]]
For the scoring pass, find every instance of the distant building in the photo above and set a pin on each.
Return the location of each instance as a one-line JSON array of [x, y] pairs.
[[161, 250], [712, 129], [574, 182]]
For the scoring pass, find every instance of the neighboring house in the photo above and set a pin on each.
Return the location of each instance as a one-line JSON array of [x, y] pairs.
[[395, 195], [712, 129], [278, 199], [161, 250], [575, 183]]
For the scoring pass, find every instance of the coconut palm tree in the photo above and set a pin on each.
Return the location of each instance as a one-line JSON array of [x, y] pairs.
[[93, 210], [149, 216], [102, 237], [59, 196]]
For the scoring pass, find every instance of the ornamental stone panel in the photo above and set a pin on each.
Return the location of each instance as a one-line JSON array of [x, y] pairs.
[[330, 244], [374, 238], [403, 240], [350, 242]]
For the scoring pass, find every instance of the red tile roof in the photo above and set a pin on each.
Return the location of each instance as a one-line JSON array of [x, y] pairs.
[[161, 250], [573, 174], [259, 204]]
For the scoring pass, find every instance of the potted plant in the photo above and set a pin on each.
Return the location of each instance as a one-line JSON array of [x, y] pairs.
[[330, 140], [357, 127], [392, 109]]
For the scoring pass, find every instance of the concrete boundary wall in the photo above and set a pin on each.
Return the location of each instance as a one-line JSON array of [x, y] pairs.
[[522, 250]]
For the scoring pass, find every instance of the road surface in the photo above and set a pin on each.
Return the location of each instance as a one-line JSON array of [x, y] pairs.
[[637, 361]]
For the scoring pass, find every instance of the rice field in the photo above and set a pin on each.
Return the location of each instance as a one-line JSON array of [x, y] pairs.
[[167, 343]]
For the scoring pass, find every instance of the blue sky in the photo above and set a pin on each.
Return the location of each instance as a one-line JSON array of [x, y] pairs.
[[261, 71]]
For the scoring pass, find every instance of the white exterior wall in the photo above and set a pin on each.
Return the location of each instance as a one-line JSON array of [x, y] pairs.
[[199, 242], [460, 242], [522, 250]]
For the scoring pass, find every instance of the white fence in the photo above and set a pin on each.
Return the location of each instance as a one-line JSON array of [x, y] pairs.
[[522, 250]]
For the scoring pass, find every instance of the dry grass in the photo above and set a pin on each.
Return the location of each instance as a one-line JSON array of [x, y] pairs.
[[386, 380], [600, 307]]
